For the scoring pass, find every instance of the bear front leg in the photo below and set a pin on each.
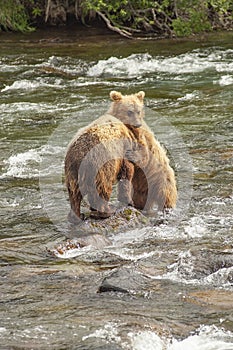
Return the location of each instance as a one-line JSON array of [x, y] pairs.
[[162, 191], [125, 187], [99, 206]]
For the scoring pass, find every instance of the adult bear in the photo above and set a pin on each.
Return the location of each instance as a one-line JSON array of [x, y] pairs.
[[118, 146]]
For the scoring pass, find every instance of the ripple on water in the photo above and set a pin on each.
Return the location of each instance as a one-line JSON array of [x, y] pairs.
[[202, 267], [39, 83], [204, 338], [136, 65]]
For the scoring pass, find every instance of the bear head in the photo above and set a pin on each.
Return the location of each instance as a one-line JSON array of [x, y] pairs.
[[128, 108]]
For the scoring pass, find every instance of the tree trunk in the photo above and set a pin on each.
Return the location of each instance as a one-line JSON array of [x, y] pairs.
[[56, 12]]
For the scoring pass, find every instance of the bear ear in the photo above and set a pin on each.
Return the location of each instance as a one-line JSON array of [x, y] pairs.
[[140, 95], [115, 95]]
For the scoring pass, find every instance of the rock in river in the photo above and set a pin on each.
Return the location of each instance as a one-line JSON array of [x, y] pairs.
[[96, 233]]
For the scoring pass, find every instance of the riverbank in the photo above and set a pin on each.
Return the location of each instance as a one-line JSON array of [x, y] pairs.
[[162, 19], [56, 36]]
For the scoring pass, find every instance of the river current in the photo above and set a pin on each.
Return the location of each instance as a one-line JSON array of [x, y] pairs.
[[169, 283]]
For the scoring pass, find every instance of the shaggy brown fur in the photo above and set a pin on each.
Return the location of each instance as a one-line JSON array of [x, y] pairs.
[[96, 159], [154, 179], [119, 146]]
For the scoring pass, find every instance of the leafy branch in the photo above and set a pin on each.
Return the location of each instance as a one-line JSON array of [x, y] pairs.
[[128, 18]]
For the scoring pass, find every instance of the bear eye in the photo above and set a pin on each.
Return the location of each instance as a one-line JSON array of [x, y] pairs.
[[130, 113]]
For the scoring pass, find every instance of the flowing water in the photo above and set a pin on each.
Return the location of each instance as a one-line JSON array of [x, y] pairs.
[[169, 285]]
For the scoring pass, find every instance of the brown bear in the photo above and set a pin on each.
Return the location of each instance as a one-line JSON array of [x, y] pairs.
[[153, 180], [95, 159], [119, 146]]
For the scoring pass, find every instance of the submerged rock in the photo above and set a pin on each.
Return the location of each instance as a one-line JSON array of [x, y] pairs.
[[72, 247], [122, 220], [94, 233], [124, 280], [125, 218]]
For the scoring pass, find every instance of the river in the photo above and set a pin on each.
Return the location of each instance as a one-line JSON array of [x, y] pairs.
[[170, 284]]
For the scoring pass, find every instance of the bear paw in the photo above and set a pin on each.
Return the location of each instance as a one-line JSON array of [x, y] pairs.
[[96, 214]]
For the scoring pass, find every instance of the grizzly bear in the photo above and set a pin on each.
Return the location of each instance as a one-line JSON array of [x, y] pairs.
[[118, 147], [153, 181], [95, 159]]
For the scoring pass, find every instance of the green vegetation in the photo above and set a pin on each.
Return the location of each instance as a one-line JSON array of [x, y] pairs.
[[13, 16], [196, 16], [194, 22], [127, 17]]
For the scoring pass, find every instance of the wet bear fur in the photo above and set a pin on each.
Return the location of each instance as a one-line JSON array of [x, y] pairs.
[[96, 157], [154, 179], [119, 146]]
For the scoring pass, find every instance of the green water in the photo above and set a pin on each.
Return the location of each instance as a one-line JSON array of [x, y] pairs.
[[49, 89]]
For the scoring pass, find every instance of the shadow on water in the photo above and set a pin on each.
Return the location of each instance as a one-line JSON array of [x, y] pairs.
[[145, 285]]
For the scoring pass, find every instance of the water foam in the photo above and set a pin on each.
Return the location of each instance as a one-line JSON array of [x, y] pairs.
[[189, 96], [22, 165], [226, 80], [75, 252], [129, 254], [221, 278], [5, 68], [25, 84], [64, 66], [196, 228], [146, 340], [26, 164], [109, 332], [2, 329], [183, 271], [204, 338], [140, 64], [9, 203]]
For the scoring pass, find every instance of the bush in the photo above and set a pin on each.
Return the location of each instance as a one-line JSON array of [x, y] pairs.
[[13, 16], [196, 23], [128, 18], [181, 27]]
